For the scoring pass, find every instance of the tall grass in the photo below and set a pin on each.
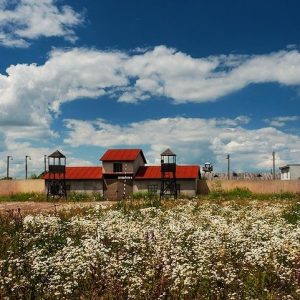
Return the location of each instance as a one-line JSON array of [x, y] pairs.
[[246, 194], [178, 250], [41, 197], [37, 197]]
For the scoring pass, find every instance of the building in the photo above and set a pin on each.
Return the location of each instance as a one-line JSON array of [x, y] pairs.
[[119, 167], [290, 172], [82, 179], [123, 172], [148, 179]]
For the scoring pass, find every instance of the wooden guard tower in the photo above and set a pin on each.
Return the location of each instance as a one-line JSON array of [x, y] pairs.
[[56, 187], [168, 174]]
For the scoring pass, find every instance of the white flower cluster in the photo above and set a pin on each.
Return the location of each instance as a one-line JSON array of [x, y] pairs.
[[190, 251]]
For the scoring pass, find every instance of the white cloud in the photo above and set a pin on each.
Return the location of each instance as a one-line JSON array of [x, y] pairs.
[[281, 121], [25, 20], [194, 140], [18, 150], [31, 93], [185, 79]]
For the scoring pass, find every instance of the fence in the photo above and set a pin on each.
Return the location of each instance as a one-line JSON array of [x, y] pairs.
[[10, 187], [240, 176], [255, 186]]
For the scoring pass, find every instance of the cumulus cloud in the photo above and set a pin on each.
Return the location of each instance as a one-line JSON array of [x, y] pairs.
[[31, 94], [25, 20], [281, 121], [195, 140], [18, 149], [2, 142], [170, 73]]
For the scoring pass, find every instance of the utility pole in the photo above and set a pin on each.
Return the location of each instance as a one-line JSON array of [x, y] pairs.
[[273, 154], [26, 165], [7, 169], [45, 163], [228, 166]]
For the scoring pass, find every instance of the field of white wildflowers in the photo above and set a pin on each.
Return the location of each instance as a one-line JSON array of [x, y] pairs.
[[187, 251]]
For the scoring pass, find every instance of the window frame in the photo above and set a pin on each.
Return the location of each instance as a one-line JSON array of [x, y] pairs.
[[152, 188]]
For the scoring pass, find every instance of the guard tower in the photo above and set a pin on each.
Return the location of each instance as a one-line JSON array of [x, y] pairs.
[[208, 168], [168, 174], [56, 187]]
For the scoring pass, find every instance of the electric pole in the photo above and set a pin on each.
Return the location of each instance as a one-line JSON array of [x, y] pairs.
[[228, 166], [45, 163], [7, 169], [26, 165], [273, 154]]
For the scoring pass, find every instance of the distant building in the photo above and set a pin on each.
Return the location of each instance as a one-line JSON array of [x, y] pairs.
[[290, 172], [124, 172]]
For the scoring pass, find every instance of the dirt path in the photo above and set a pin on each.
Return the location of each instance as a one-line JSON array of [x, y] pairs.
[[36, 207]]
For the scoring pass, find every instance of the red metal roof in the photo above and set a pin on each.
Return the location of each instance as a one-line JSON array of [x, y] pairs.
[[82, 173], [182, 172], [122, 155]]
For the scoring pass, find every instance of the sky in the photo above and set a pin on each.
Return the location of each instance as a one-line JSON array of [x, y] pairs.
[[204, 78]]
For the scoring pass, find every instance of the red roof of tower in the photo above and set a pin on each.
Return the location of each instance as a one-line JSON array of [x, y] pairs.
[[81, 173], [182, 172], [122, 155]]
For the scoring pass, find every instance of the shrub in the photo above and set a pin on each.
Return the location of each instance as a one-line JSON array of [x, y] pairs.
[[79, 197], [237, 193], [292, 213], [96, 196]]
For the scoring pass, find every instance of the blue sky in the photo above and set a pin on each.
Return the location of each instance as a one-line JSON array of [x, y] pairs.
[[206, 78]]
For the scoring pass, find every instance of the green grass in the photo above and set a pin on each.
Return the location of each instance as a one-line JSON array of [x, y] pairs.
[[139, 200], [38, 197], [22, 197], [232, 194], [246, 194], [151, 199], [85, 197]]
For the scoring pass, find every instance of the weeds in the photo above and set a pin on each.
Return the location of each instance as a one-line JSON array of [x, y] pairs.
[[292, 213], [37, 197], [246, 194], [176, 250], [138, 201]]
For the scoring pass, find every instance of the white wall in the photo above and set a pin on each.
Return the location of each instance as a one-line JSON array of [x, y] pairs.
[[131, 166], [85, 186], [188, 187], [295, 172], [285, 175]]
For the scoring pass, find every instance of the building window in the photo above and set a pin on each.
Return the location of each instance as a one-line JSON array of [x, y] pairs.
[[152, 188], [117, 167], [68, 187]]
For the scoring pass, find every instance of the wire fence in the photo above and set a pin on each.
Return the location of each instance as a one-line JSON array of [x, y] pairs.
[[240, 176]]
